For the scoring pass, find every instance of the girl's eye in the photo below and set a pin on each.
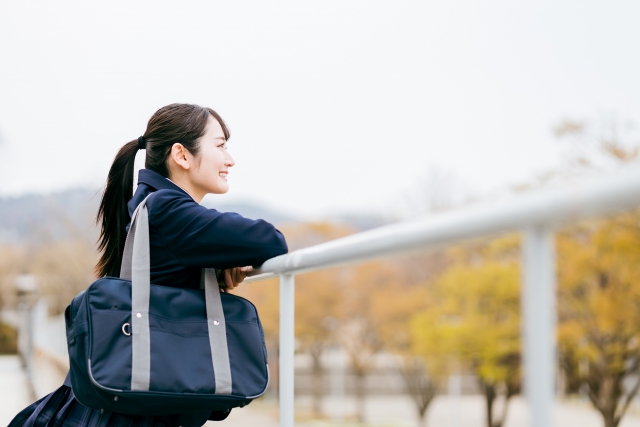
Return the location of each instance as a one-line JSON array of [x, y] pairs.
[[223, 145]]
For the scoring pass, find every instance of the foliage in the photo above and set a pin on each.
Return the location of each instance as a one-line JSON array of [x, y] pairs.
[[393, 306], [8, 339], [473, 321], [599, 310], [359, 331], [599, 281], [12, 260], [318, 300], [63, 269], [364, 309]]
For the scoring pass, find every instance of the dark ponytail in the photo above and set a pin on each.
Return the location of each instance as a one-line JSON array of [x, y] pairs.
[[113, 210], [183, 123]]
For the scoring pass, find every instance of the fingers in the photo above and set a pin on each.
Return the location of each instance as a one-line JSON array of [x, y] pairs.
[[221, 281], [243, 271], [228, 280]]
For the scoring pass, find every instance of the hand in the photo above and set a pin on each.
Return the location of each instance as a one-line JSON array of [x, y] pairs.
[[230, 278]]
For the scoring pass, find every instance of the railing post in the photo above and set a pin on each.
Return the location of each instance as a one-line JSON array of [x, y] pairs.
[[287, 336], [539, 314]]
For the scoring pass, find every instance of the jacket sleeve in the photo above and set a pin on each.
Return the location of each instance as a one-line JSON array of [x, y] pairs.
[[205, 238]]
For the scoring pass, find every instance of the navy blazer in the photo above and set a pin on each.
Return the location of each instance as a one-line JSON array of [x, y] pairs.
[[185, 236]]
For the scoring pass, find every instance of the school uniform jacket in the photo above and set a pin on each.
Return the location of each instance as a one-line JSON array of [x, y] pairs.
[[184, 237]]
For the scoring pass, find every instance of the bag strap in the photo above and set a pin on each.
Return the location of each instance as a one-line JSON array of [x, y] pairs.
[[136, 266]]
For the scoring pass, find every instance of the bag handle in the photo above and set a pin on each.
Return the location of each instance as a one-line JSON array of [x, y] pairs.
[[136, 266]]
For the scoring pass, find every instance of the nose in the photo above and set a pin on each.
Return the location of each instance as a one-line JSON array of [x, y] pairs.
[[228, 160]]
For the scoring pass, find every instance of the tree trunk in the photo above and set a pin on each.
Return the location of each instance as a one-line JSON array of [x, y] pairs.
[[360, 395], [609, 420], [422, 417], [419, 387], [427, 396], [317, 382], [490, 397], [510, 392], [606, 400]]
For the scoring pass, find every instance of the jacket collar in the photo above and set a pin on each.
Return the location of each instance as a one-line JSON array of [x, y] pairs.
[[148, 182], [157, 181]]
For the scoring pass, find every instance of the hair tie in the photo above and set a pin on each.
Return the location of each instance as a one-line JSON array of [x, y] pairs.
[[142, 143]]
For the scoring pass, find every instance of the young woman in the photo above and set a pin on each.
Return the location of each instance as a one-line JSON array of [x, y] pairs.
[[186, 158]]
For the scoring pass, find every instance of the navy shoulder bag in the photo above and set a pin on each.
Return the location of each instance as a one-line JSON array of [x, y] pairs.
[[142, 349]]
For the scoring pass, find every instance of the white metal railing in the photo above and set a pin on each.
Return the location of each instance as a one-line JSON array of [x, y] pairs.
[[536, 214]]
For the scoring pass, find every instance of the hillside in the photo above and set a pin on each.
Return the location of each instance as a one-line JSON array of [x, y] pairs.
[[36, 218]]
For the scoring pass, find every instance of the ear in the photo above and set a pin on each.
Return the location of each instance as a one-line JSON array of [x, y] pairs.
[[180, 156]]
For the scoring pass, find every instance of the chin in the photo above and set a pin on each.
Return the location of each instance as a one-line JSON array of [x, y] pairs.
[[219, 190]]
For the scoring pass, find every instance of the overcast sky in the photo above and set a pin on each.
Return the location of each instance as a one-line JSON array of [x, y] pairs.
[[334, 106]]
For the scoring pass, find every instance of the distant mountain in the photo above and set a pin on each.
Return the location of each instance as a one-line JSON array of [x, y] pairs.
[[361, 222], [251, 210], [36, 217]]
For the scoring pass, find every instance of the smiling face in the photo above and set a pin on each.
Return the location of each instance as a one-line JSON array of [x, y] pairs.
[[209, 174], [206, 172]]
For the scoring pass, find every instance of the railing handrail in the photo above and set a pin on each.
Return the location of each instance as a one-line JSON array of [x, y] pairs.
[[547, 206], [535, 213]]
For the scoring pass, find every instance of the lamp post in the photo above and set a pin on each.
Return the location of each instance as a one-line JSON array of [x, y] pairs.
[[27, 293]]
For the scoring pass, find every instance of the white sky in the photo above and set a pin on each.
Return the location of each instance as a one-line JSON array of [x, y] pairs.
[[334, 106]]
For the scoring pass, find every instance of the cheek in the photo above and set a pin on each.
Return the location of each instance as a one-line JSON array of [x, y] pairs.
[[218, 160], [211, 164]]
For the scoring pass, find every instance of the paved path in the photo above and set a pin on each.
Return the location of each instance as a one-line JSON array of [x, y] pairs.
[[467, 411], [14, 395], [392, 411], [256, 414]]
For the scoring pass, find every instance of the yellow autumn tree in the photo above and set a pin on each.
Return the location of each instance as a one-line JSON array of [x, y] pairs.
[[599, 281], [599, 311], [393, 306], [360, 325], [318, 301], [473, 322]]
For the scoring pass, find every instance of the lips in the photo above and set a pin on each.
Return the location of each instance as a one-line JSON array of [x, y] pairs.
[[223, 175]]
